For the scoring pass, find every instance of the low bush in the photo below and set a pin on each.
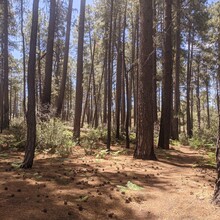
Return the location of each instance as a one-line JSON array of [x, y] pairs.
[[18, 129], [54, 135]]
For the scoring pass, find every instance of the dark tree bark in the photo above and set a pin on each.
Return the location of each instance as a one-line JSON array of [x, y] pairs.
[[137, 66], [133, 72], [155, 63], [31, 115], [98, 101], [65, 62], [109, 122], [145, 128], [123, 83], [6, 68], [216, 197], [128, 110], [165, 124], [39, 75], [1, 91], [46, 97], [118, 81], [198, 103], [105, 80], [176, 112], [189, 76], [88, 93], [24, 57], [207, 102], [79, 77]]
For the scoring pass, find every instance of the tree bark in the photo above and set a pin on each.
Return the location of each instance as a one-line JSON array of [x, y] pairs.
[[109, 122], [46, 97], [216, 197], [65, 62], [189, 76], [118, 81], [175, 131], [198, 103], [207, 101], [6, 68], [24, 57], [145, 128], [79, 77], [31, 115], [155, 63], [165, 124]]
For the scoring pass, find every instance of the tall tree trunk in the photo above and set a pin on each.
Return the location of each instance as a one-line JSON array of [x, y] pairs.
[[133, 65], [88, 93], [216, 197], [165, 123], [46, 97], [128, 110], [145, 128], [118, 81], [207, 101], [96, 113], [123, 83], [24, 57], [79, 77], [189, 76], [175, 131], [198, 103], [6, 69], [137, 67], [155, 63], [109, 122], [65, 62], [1, 95], [105, 82], [39, 75], [31, 115]]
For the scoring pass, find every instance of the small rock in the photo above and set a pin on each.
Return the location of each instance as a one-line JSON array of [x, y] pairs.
[[44, 210], [80, 208], [110, 215]]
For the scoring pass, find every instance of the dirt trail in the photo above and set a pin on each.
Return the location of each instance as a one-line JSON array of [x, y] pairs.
[[83, 187]]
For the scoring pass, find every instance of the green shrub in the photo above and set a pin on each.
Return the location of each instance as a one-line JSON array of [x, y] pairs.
[[54, 135], [18, 129], [183, 139]]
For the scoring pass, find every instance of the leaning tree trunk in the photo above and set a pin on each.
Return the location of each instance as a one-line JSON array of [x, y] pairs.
[[31, 115]]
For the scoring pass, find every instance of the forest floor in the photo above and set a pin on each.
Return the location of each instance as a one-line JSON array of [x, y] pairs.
[[177, 186]]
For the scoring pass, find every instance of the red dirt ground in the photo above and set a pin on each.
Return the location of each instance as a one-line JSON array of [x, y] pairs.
[[83, 187]]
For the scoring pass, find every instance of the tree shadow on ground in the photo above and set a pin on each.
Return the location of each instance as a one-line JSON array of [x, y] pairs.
[[58, 189], [183, 159]]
